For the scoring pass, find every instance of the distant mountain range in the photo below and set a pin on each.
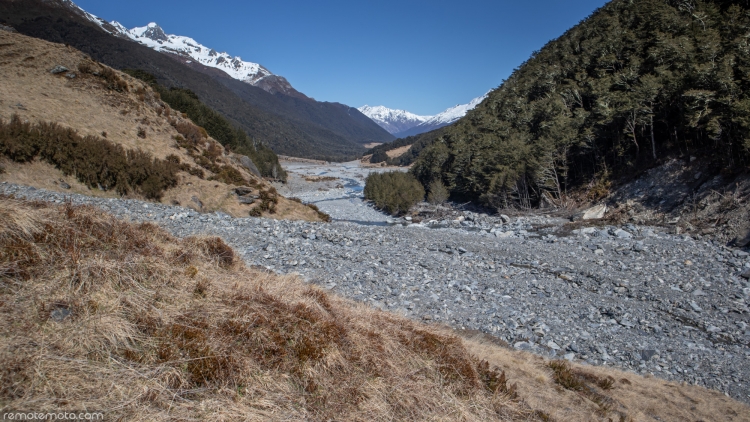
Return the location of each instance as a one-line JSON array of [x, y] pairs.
[[262, 104], [401, 123], [392, 120]]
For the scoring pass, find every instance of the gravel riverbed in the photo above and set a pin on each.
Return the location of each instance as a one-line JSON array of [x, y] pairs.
[[633, 297]]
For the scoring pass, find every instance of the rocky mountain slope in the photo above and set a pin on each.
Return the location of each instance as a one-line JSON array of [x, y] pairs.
[[291, 125], [153, 36], [50, 88]]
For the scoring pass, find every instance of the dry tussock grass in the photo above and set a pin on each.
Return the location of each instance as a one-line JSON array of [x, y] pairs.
[[101, 314], [572, 392]]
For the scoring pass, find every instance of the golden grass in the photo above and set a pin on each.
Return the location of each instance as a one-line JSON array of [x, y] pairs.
[[123, 318], [397, 152], [135, 118]]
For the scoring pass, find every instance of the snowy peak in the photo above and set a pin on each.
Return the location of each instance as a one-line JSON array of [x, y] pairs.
[[401, 123], [153, 36], [194, 53], [152, 31], [392, 120], [454, 113]]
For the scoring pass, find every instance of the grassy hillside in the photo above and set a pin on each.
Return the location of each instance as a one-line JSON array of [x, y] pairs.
[[417, 143], [101, 132], [635, 83], [125, 319], [289, 126]]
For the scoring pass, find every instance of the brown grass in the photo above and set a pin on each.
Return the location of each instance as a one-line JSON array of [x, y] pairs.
[[397, 152], [123, 318], [154, 327]]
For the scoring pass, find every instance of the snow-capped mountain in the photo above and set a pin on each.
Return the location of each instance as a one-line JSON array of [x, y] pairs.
[[191, 51], [454, 113], [392, 120], [401, 123]]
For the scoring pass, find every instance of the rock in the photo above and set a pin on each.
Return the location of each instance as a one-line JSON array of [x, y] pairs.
[[647, 354], [246, 162], [7, 28], [247, 199], [58, 69], [197, 201], [504, 218], [595, 212], [622, 234], [63, 185], [695, 306], [60, 313], [70, 75], [552, 345], [569, 356], [746, 275], [243, 190], [744, 239]]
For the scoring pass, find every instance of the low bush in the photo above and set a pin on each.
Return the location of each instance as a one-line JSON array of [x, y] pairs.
[[96, 162], [395, 192]]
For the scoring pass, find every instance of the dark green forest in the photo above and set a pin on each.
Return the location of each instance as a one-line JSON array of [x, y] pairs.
[[635, 83], [216, 125]]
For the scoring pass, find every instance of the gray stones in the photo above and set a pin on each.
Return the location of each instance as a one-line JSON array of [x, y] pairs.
[[746, 274], [58, 69], [504, 218]]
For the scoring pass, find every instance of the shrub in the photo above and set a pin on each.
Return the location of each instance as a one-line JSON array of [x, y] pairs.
[[395, 192], [96, 162], [379, 156], [438, 193], [230, 176]]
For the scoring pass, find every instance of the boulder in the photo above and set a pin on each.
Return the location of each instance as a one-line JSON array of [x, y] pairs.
[[248, 164], [58, 69], [243, 190], [743, 239], [593, 213]]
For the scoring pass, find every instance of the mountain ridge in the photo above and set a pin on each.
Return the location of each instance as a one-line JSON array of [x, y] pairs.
[[289, 125], [402, 123]]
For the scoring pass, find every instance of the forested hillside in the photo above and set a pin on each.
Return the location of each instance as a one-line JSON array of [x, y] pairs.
[[636, 82]]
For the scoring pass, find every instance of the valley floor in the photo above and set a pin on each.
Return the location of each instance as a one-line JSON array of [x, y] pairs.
[[632, 297]]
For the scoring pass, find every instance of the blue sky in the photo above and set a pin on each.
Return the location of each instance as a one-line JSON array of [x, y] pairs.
[[421, 56]]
